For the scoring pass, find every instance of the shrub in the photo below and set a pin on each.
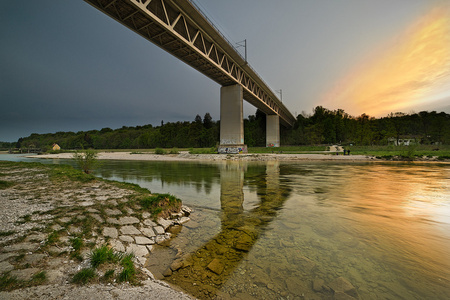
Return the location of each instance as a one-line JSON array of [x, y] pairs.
[[174, 151], [160, 151], [87, 160]]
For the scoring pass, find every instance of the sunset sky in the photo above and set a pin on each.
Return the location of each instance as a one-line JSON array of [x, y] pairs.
[[64, 66]]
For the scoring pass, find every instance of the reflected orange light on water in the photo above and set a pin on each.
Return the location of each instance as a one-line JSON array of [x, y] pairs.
[[403, 215], [414, 69]]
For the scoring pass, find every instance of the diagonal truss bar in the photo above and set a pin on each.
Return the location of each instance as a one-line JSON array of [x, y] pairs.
[[179, 28]]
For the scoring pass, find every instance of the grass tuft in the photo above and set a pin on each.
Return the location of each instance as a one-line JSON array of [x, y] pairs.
[[104, 254], [84, 276]]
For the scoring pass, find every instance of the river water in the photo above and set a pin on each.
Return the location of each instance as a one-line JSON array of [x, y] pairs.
[[278, 230]]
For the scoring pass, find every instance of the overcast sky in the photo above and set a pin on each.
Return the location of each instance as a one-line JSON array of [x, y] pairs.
[[64, 66]]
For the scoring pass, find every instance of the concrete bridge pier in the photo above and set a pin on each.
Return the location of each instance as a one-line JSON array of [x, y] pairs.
[[231, 120], [272, 131]]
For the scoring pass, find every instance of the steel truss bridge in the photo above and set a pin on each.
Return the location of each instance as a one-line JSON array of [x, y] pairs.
[[180, 28]]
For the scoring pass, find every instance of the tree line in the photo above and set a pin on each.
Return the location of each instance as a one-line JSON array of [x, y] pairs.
[[322, 126]]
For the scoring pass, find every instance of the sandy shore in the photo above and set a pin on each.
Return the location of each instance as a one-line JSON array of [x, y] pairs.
[[185, 156]]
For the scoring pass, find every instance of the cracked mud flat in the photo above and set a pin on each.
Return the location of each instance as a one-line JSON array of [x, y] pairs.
[[41, 214]]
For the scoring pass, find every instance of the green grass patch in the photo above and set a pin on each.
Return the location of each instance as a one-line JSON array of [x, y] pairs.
[[39, 278], [6, 233], [129, 271], [160, 205], [64, 172], [8, 282], [212, 150], [84, 276], [52, 238], [104, 254], [5, 184]]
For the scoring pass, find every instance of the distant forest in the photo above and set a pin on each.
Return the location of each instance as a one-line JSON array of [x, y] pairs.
[[323, 126]]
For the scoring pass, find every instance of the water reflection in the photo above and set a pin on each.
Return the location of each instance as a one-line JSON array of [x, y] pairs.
[[203, 271]]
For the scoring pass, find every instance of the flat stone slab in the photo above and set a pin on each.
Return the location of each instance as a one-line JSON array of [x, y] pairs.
[[110, 232], [24, 274], [183, 220], [126, 238], [128, 220], [138, 250], [165, 223], [142, 240], [21, 246], [112, 221], [5, 267], [129, 230], [112, 212], [148, 232], [98, 218], [33, 258], [150, 223], [5, 256], [159, 230], [117, 245]]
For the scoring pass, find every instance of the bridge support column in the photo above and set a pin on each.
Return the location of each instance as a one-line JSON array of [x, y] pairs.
[[272, 131], [231, 120]]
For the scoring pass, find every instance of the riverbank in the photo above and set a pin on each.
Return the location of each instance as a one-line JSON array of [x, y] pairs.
[[185, 156], [52, 220]]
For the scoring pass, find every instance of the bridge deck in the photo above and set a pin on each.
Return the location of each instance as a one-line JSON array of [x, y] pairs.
[[182, 30]]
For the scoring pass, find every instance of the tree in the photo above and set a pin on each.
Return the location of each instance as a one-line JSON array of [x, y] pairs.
[[86, 160], [207, 121]]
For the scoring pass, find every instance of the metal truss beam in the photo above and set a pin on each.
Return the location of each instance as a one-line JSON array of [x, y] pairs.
[[180, 29]]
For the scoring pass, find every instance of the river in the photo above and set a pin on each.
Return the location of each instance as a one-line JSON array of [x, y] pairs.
[[279, 230]]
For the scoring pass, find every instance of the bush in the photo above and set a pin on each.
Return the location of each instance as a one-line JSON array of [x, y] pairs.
[[160, 151], [86, 160], [174, 151]]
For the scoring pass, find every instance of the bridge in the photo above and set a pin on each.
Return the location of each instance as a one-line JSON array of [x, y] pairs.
[[180, 28]]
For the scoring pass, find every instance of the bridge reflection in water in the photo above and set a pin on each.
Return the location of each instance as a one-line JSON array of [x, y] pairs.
[[204, 271]]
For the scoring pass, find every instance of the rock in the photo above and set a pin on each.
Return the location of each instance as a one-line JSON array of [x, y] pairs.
[[5, 256], [150, 223], [159, 230], [98, 218], [138, 250], [126, 238], [130, 230], [112, 212], [177, 264], [110, 232], [21, 247], [160, 239], [128, 220], [150, 248], [112, 221], [146, 215], [142, 240], [183, 220], [342, 285], [33, 258], [186, 210], [148, 232], [318, 284], [24, 274], [294, 286], [117, 245], [164, 223], [5, 267], [216, 266], [167, 272]]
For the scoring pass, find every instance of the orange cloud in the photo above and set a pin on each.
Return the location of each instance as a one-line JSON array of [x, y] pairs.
[[413, 70]]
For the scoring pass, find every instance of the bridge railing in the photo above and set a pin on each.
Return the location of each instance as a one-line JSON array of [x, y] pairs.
[[231, 44]]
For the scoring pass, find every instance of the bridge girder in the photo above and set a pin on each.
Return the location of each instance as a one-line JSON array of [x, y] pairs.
[[180, 29]]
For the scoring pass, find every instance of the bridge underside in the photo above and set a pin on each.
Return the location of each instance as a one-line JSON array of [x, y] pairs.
[[180, 29]]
